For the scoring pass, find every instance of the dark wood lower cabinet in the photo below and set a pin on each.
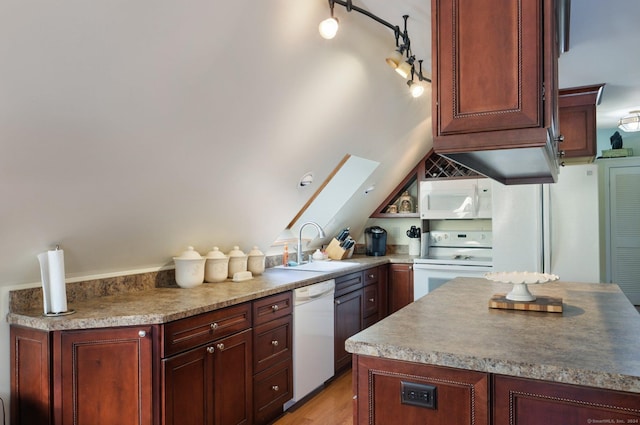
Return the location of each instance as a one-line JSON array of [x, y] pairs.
[[30, 376], [210, 384], [105, 376], [348, 322], [400, 286], [465, 397], [272, 356], [519, 401], [461, 397]]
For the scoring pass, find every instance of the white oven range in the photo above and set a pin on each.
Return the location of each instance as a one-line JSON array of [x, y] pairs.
[[451, 254]]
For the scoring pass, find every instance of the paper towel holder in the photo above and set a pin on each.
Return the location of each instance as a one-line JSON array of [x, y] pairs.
[[46, 313], [62, 313]]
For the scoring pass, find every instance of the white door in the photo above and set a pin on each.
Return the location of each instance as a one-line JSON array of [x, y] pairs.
[[624, 236]]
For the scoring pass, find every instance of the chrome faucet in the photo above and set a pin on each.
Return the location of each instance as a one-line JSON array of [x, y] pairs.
[[320, 234]]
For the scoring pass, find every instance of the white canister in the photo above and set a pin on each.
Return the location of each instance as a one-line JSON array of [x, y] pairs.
[[237, 261], [255, 262], [217, 266], [189, 268], [414, 246]]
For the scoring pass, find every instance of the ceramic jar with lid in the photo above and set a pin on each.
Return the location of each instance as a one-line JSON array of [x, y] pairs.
[[237, 261], [189, 268], [216, 267], [255, 261]]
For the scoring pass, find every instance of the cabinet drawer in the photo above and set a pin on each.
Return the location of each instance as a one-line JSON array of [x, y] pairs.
[[273, 307], [370, 300], [370, 276], [349, 283], [271, 343], [271, 389], [191, 332]]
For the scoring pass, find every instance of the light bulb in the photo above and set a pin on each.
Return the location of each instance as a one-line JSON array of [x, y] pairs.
[[416, 89], [328, 28], [404, 69], [394, 59]]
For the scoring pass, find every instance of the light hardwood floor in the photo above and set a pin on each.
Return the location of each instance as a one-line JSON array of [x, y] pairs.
[[331, 406]]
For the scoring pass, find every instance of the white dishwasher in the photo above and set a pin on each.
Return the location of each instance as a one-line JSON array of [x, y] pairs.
[[313, 328]]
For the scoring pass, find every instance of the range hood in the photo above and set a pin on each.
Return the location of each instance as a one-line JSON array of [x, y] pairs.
[[529, 161]]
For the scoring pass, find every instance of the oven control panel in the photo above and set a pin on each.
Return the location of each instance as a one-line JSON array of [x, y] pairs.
[[461, 239]]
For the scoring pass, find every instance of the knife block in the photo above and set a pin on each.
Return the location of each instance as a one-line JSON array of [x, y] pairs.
[[335, 251]]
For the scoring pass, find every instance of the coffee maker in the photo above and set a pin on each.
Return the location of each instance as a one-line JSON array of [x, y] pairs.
[[376, 241]]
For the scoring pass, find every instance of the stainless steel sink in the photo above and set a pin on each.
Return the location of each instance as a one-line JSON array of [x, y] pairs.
[[321, 266]]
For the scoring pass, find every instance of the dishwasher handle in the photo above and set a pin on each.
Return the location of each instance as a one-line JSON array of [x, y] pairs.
[[317, 290]]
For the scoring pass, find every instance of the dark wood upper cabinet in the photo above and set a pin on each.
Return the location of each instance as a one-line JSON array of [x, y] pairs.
[[577, 120], [495, 87]]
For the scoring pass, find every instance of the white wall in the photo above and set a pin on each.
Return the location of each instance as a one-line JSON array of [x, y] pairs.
[[131, 130], [629, 140]]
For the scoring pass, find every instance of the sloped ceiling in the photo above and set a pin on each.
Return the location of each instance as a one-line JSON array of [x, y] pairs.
[[131, 130]]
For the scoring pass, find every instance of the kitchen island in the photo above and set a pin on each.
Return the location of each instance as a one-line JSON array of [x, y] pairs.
[[479, 365]]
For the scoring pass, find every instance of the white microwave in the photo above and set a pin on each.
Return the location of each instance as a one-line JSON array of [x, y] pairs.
[[455, 199]]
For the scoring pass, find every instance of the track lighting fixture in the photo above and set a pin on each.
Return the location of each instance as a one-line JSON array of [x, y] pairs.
[[401, 59], [329, 27]]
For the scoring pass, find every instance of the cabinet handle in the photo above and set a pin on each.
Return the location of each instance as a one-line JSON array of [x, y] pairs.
[[220, 346], [142, 334], [275, 388], [214, 326], [210, 350], [274, 308], [274, 343]]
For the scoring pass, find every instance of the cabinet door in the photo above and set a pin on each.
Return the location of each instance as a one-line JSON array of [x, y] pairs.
[[210, 384], [30, 377], [519, 401], [105, 376], [489, 65], [577, 121], [188, 387], [400, 286], [348, 322], [233, 390]]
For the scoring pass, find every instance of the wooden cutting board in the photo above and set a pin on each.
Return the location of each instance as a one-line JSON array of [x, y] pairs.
[[542, 303]]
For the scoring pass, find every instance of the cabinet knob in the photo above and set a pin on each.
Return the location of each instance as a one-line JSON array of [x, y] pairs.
[[214, 326], [371, 276], [220, 346], [275, 342], [275, 388], [142, 334], [372, 300], [210, 350], [275, 308], [337, 302]]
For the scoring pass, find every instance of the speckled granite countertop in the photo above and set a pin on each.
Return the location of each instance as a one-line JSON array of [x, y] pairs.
[[155, 305], [594, 342]]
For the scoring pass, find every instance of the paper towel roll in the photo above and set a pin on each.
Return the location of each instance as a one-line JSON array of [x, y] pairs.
[[54, 289]]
